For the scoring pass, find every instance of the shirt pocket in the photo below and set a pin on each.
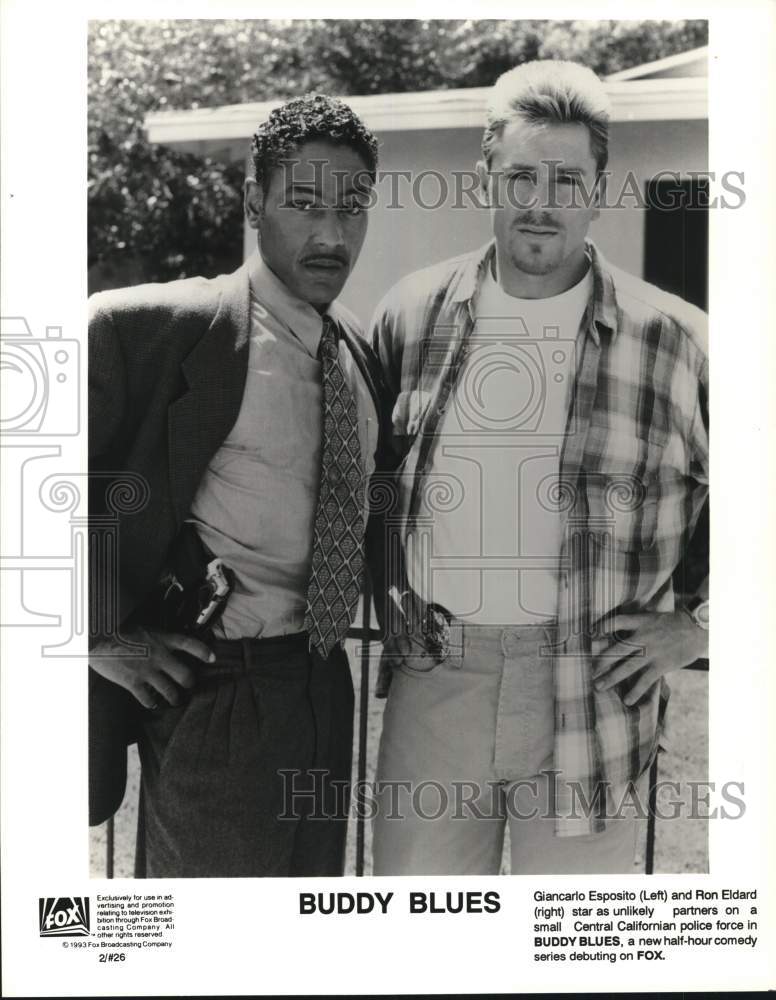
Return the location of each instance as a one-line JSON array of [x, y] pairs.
[[622, 490]]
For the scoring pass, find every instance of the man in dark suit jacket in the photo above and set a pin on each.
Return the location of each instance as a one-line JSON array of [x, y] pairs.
[[248, 405]]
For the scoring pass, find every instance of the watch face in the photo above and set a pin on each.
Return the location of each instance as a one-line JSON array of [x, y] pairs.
[[701, 614]]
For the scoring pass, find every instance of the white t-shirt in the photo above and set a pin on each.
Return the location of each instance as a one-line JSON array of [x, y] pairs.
[[488, 540]]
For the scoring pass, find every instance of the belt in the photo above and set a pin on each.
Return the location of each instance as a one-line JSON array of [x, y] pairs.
[[238, 656], [444, 633], [526, 627]]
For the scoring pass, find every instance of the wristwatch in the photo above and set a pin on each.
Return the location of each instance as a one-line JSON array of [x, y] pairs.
[[698, 609]]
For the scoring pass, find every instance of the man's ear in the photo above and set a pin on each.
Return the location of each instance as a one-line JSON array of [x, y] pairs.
[[483, 175], [254, 203]]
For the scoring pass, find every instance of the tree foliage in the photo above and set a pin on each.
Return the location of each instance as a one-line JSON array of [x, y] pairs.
[[157, 214]]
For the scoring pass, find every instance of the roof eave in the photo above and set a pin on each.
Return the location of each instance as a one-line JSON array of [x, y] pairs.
[[632, 100], [666, 64]]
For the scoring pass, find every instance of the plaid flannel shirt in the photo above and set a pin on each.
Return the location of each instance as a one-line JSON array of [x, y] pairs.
[[633, 479]]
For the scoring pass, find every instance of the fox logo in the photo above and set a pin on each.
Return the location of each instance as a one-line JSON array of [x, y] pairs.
[[63, 916]]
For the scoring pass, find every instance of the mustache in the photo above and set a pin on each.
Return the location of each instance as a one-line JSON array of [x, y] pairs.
[[538, 221], [338, 256]]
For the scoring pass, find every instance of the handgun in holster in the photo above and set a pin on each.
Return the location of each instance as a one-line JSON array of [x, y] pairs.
[[196, 586]]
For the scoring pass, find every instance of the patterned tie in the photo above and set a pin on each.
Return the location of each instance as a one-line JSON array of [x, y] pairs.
[[338, 541]]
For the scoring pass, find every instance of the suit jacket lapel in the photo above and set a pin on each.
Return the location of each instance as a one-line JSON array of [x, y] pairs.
[[214, 373]]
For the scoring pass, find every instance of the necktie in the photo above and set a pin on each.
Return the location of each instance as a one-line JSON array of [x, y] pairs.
[[338, 539]]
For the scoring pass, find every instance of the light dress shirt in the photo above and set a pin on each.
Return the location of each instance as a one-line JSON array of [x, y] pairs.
[[255, 507]]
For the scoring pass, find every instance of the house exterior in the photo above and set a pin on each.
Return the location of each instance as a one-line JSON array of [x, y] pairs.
[[430, 142]]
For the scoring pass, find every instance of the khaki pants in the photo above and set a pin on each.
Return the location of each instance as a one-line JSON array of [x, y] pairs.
[[466, 750]]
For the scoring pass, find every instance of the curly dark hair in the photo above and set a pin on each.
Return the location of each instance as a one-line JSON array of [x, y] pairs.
[[314, 116]]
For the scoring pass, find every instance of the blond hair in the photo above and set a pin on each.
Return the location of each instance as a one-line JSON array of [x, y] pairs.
[[550, 91]]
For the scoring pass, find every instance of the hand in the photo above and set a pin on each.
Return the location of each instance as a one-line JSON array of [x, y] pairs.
[[406, 639], [157, 675], [668, 641]]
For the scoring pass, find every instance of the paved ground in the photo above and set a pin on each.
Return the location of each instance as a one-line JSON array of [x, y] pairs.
[[681, 844]]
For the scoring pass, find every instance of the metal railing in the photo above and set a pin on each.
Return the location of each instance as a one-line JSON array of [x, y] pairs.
[[649, 859]]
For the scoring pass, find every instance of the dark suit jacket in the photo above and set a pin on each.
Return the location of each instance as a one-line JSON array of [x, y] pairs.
[[167, 370]]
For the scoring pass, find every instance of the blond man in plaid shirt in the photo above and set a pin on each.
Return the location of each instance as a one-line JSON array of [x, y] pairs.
[[550, 426]]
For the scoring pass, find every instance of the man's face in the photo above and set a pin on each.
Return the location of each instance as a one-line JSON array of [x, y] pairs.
[[312, 220], [540, 185]]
